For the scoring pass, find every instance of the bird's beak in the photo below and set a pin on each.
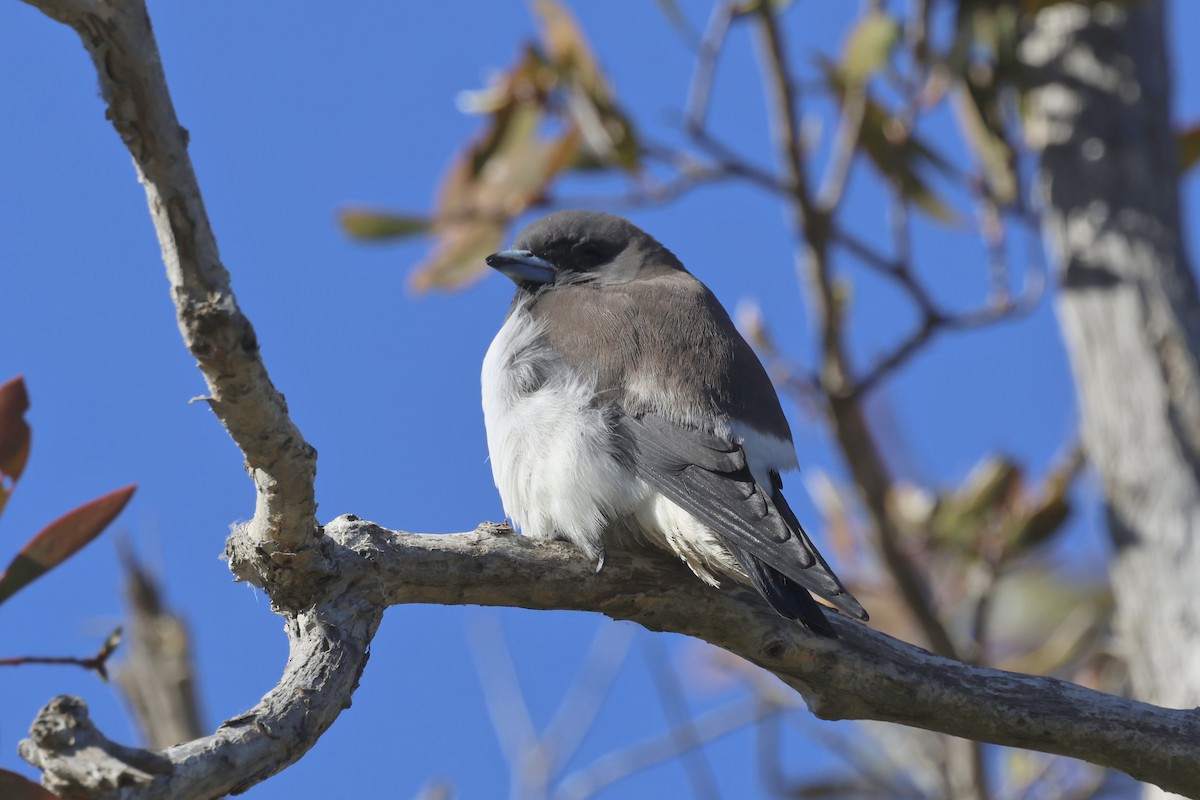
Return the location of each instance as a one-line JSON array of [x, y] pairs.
[[522, 266]]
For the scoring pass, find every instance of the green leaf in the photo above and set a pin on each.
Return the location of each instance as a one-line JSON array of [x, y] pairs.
[[993, 483], [1189, 148], [979, 116], [869, 46], [61, 539], [966, 516], [375, 225], [18, 787], [15, 435]]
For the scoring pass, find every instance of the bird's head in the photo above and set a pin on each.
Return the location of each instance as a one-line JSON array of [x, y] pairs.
[[576, 247]]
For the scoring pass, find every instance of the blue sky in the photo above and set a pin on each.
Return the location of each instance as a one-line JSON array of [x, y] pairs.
[[292, 116]]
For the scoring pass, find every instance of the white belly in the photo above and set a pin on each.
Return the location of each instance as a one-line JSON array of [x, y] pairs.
[[554, 458], [552, 451]]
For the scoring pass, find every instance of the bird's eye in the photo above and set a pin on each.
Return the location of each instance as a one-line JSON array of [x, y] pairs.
[[589, 254]]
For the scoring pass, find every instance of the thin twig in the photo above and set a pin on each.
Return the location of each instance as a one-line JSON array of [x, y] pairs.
[[893, 269], [851, 431], [934, 322], [987, 575], [97, 663], [679, 717], [723, 155], [700, 89], [650, 194], [643, 755], [861, 752], [506, 706], [588, 694], [845, 149], [782, 102]]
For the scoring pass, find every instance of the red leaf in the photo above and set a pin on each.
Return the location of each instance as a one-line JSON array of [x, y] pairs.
[[18, 787], [14, 435], [61, 539]]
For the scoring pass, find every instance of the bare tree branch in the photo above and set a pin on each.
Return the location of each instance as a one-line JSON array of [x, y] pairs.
[[836, 380], [592, 686], [700, 90], [97, 663], [785, 116], [328, 650], [671, 745], [528, 762], [935, 322], [861, 675], [845, 149], [895, 269], [118, 36], [281, 545], [684, 730], [332, 587]]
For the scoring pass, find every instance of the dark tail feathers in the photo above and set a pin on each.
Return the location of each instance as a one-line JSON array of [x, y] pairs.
[[786, 596]]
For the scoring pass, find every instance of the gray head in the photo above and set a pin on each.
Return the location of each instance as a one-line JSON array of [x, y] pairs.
[[576, 247]]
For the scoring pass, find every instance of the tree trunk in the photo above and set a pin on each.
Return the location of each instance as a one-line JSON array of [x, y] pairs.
[[1099, 109]]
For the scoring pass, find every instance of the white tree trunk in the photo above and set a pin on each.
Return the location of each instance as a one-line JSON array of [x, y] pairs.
[[1099, 108]]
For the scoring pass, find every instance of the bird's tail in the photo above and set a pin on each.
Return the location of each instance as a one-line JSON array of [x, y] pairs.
[[786, 596]]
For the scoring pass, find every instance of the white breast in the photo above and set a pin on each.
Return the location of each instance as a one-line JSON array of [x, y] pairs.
[[553, 457], [552, 451]]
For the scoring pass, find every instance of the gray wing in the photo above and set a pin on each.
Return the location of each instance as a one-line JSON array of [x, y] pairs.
[[707, 476]]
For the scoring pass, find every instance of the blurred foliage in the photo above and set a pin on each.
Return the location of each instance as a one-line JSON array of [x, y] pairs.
[[552, 111], [1189, 148], [985, 547], [901, 157], [15, 436], [62, 538], [869, 46]]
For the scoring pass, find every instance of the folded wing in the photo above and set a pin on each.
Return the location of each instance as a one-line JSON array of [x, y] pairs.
[[707, 476]]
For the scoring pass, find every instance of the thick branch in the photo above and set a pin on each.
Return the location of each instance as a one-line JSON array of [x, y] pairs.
[[328, 652], [861, 675], [358, 568], [329, 637], [118, 36]]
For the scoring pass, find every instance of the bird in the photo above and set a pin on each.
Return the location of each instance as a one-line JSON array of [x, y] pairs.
[[618, 395]]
